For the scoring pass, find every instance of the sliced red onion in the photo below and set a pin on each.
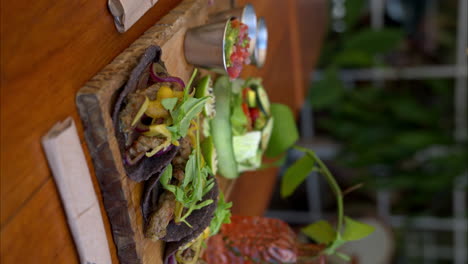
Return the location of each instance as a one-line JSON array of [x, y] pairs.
[[142, 126], [164, 150], [141, 129], [171, 260], [156, 78], [129, 161]]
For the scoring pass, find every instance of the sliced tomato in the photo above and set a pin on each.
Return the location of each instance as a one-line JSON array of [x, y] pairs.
[[245, 108], [254, 114], [234, 71]]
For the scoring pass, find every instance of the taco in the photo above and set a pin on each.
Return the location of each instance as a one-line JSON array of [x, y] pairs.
[[180, 202], [190, 249], [146, 131]]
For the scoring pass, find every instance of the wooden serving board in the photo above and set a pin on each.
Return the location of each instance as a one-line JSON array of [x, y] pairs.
[[121, 196]]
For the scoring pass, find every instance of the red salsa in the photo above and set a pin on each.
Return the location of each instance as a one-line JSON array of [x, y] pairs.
[[236, 47]]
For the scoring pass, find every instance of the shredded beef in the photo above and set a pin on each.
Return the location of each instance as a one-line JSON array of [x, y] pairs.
[[157, 224]]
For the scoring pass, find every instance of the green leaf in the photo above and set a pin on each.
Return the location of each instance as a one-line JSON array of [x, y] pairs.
[[203, 204], [343, 256], [296, 174], [222, 215], [355, 230], [354, 10], [208, 186], [373, 41], [166, 175], [190, 169], [169, 103], [179, 194], [328, 91], [189, 84], [408, 109], [284, 133], [353, 58], [191, 109], [417, 139], [320, 231], [246, 146]]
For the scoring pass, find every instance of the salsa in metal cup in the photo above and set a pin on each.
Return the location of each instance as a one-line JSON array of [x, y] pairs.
[[236, 45]]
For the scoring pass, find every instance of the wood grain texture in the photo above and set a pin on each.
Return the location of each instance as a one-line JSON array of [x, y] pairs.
[[46, 54], [48, 50]]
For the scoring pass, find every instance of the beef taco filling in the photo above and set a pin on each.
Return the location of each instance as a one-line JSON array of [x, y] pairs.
[[185, 182], [144, 120], [190, 252], [188, 183]]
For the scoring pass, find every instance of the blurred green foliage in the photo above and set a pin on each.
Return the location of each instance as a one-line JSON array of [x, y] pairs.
[[403, 130]]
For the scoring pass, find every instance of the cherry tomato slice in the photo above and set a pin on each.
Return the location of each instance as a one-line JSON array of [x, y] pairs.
[[254, 114], [245, 108]]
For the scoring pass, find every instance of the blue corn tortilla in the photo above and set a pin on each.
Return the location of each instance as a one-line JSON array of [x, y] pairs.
[[178, 234], [147, 166]]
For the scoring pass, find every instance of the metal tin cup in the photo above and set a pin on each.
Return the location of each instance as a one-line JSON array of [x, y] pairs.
[[246, 15], [260, 52], [204, 45]]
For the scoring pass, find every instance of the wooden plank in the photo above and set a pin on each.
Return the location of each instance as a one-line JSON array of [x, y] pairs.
[[122, 197], [48, 50], [18, 247]]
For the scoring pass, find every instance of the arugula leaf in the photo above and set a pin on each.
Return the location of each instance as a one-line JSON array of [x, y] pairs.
[[222, 215], [320, 231], [190, 170], [296, 174], [203, 204], [184, 111], [189, 84], [183, 114], [195, 185], [284, 133], [166, 176], [355, 230], [190, 109], [169, 103]]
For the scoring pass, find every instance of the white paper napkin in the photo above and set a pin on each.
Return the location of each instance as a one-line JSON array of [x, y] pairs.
[[127, 12], [71, 173]]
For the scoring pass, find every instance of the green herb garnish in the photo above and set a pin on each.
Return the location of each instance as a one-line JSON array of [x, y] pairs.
[[189, 193], [184, 111], [222, 215]]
